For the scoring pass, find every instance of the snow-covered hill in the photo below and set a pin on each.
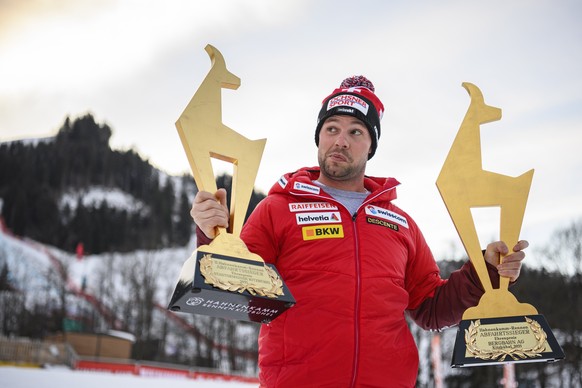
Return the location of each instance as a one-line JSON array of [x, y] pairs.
[[111, 291], [30, 264]]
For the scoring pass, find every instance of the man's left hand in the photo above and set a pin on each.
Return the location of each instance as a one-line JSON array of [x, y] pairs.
[[511, 264]]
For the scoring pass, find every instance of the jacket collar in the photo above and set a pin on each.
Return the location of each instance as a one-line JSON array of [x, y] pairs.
[[300, 183]]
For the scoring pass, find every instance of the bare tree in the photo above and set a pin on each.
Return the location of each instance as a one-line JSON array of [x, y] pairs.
[[106, 287], [564, 250], [563, 254], [141, 275]]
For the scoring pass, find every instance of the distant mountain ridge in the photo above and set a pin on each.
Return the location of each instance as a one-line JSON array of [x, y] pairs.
[[73, 188]]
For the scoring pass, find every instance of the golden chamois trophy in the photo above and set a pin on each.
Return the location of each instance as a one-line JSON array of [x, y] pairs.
[[224, 279], [499, 329]]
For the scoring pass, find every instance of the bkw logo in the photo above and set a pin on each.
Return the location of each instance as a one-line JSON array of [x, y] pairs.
[[322, 231]]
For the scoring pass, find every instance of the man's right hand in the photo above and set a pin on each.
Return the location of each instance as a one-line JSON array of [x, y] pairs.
[[209, 211]]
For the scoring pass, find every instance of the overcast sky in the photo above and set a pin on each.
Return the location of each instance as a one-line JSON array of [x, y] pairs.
[[135, 64]]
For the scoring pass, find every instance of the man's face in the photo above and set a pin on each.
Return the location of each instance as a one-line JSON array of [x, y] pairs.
[[344, 146]]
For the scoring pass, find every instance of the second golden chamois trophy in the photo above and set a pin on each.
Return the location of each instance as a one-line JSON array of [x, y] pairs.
[[224, 279], [499, 329]]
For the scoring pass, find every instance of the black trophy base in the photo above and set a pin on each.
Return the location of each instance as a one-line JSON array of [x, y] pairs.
[[194, 295], [494, 341]]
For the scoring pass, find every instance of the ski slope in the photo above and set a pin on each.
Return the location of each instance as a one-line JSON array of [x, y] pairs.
[[15, 377]]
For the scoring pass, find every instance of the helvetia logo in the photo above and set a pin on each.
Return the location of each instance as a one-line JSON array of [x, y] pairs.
[[317, 218]]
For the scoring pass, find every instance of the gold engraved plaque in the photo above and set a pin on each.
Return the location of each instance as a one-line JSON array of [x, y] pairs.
[[231, 275], [518, 340], [224, 279], [519, 332]]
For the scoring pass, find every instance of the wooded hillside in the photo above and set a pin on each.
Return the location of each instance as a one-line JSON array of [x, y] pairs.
[[46, 186]]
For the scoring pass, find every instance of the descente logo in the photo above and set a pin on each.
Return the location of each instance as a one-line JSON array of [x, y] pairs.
[[375, 221], [322, 231], [387, 215]]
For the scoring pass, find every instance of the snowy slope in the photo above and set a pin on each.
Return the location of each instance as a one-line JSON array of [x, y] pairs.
[[94, 196], [35, 268], [12, 377], [30, 262]]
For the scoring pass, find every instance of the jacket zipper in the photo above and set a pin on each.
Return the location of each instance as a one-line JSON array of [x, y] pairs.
[[356, 357], [358, 295], [358, 281], [357, 304]]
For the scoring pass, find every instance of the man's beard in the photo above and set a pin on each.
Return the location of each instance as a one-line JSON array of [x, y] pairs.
[[332, 170]]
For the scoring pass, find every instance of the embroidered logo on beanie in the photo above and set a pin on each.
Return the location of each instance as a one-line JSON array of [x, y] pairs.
[[348, 100]]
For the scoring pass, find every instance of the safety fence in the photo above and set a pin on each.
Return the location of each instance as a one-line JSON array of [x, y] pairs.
[[22, 351], [151, 369]]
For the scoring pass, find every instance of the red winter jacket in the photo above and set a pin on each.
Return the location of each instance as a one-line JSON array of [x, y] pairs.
[[353, 277]]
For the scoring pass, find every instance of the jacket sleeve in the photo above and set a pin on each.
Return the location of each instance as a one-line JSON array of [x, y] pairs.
[[259, 232], [201, 238], [446, 306]]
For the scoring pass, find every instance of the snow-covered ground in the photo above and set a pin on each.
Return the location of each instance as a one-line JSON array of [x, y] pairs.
[[95, 196], [14, 377], [33, 267]]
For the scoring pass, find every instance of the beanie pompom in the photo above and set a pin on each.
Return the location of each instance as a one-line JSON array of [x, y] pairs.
[[357, 80]]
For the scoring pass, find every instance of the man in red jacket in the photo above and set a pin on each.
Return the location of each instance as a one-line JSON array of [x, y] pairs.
[[355, 263]]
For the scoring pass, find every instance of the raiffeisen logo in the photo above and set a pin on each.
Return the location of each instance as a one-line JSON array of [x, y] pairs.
[[317, 218], [387, 215], [311, 206]]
